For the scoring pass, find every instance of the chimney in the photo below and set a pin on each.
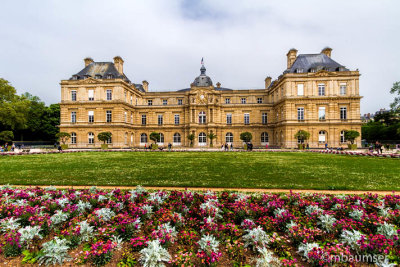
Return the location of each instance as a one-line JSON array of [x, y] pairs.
[[145, 86], [291, 57], [327, 51], [88, 61], [267, 82], [119, 64], [218, 85]]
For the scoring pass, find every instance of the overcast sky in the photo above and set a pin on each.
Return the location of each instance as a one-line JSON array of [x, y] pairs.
[[242, 42]]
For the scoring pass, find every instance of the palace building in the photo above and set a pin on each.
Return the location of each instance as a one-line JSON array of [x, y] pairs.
[[314, 93]]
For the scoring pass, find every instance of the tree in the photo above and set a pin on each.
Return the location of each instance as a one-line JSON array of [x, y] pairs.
[[63, 137], [104, 136], [395, 90], [211, 136], [155, 137], [6, 137], [191, 137], [246, 137], [302, 135], [351, 135]]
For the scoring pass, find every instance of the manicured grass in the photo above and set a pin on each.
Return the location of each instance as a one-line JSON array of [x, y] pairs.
[[204, 169]]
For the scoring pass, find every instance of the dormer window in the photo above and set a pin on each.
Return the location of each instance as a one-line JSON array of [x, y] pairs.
[[86, 76], [110, 76], [299, 70], [312, 70], [340, 69], [97, 76], [75, 77]]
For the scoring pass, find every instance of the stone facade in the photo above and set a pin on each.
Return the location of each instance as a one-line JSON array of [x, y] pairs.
[[314, 93]]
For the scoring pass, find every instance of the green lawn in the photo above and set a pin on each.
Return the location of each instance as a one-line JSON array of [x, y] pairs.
[[204, 169]]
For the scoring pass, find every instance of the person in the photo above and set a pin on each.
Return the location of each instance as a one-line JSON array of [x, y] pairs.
[[13, 147], [231, 147], [145, 146], [6, 147], [326, 145], [381, 148], [308, 146], [266, 146], [55, 145], [226, 147], [59, 148], [222, 147], [169, 146]]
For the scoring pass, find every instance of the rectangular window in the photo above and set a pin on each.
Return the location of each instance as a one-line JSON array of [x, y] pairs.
[[321, 89], [91, 116], [264, 118], [300, 114], [150, 102], [73, 95], [131, 117], [176, 119], [246, 118], [282, 92], [91, 95], [321, 113], [109, 94], [73, 138], [228, 118], [125, 117], [259, 100], [131, 100], [109, 140], [343, 113], [342, 89], [108, 116], [243, 100], [160, 119], [180, 102], [73, 116], [165, 102], [227, 100], [300, 89], [143, 119]]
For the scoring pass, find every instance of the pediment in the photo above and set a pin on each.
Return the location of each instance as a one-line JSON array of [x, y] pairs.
[[90, 80], [324, 73]]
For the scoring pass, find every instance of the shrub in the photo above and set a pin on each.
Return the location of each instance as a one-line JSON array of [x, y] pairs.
[[9, 224], [28, 234], [256, 238], [59, 217], [105, 214], [352, 238], [85, 231], [326, 222]]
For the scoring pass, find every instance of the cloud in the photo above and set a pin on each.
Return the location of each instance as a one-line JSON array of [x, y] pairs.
[[163, 41]]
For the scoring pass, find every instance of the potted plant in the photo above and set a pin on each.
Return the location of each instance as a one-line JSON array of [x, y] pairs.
[[191, 138], [63, 137], [211, 136], [351, 136], [246, 138], [104, 136], [155, 137], [302, 136]]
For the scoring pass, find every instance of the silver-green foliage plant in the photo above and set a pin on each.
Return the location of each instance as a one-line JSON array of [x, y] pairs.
[[351, 238], [86, 231], [209, 244], [105, 214], [326, 222], [356, 214], [154, 255], [28, 233], [313, 209], [386, 229], [54, 252], [256, 238], [9, 224], [59, 217], [304, 249], [83, 206], [267, 258]]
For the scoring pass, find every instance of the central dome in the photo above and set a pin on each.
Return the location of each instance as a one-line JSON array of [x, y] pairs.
[[203, 79]]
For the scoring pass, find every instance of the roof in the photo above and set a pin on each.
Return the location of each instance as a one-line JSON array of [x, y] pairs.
[[215, 88], [100, 68], [306, 62]]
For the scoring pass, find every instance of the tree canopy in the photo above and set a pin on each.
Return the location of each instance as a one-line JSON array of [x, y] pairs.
[[302, 135], [246, 137], [396, 91], [351, 135], [104, 136], [155, 137]]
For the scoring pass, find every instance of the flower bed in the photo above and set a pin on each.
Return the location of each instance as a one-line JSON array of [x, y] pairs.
[[186, 228]]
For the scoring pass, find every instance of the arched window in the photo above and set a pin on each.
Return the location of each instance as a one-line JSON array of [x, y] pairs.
[[143, 138], [322, 136], [91, 138], [109, 140], [177, 138], [73, 138], [342, 137], [126, 138], [229, 138], [264, 138], [202, 117], [161, 140], [131, 139], [202, 139]]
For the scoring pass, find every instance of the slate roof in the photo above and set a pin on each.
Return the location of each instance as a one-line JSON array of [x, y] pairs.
[[216, 88], [100, 68], [306, 62]]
